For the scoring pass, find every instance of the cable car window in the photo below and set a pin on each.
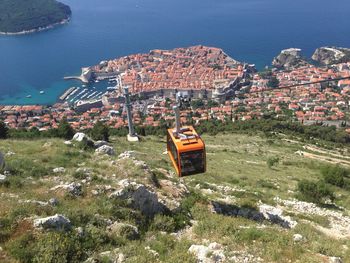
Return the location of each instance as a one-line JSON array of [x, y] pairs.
[[192, 162], [172, 149]]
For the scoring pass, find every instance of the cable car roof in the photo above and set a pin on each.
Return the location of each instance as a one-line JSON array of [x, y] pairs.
[[187, 140]]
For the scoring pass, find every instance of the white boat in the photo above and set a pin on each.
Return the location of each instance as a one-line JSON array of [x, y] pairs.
[[42, 92], [28, 96]]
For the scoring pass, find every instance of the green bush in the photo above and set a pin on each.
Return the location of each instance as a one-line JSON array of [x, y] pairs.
[[163, 223], [315, 192], [272, 161], [334, 175], [65, 130], [23, 248], [3, 131], [100, 132], [58, 247]]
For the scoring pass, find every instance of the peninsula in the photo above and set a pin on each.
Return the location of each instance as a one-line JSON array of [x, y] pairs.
[[22, 16]]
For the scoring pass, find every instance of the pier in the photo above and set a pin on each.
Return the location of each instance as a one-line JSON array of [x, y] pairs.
[[82, 79], [67, 93]]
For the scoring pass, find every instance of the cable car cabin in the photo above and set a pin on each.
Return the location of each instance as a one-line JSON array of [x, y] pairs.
[[187, 151]]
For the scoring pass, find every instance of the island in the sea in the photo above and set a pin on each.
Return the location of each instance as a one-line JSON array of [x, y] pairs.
[[23, 16]]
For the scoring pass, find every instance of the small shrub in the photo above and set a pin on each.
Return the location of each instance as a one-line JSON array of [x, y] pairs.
[[272, 161], [85, 145], [3, 130], [100, 132], [315, 192], [65, 130], [58, 247], [23, 248], [163, 223], [265, 184], [80, 175], [334, 175]]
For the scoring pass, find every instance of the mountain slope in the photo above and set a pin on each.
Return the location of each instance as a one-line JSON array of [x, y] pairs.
[[242, 210]]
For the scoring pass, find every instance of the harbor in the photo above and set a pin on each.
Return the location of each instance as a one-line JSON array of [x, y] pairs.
[[91, 93]]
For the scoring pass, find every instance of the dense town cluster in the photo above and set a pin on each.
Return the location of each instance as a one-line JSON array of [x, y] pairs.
[[195, 68], [309, 98], [309, 101]]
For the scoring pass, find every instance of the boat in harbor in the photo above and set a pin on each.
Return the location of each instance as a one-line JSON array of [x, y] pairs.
[[42, 92], [28, 96], [111, 88]]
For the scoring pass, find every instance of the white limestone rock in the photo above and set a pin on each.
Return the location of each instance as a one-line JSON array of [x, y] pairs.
[[274, 215], [213, 253], [98, 144], [53, 201], [297, 237], [56, 222], [105, 149], [139, 196], [126, 155], [79, 137], [335, 260], [59, 170], [72, 188], [2, 178]]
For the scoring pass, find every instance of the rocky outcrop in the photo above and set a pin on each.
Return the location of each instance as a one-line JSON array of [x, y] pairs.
[[82, 137], [74, 189], [139, 197], [264, 212], [331, 55], [56, 222], [99, 144], [105, 149], [289, 59], [274, 215], [213, 253], [338, 222]]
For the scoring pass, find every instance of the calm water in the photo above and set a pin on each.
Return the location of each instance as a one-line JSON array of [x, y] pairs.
[[248, 30]]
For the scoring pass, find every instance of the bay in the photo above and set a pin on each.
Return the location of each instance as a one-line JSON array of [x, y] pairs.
[[248, 30]]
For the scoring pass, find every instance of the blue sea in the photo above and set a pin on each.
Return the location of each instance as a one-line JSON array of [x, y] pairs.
[[248, 30]]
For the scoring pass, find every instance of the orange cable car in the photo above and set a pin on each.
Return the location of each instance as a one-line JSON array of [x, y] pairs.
[[186, 149]]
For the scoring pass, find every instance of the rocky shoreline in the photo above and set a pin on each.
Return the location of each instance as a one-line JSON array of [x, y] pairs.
[[325, 56], [37, 30]]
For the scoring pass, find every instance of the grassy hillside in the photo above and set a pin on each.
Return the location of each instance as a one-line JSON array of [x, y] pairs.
[[244, 172], [24, 15]]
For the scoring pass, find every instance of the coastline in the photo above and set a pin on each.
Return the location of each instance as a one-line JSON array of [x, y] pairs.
[[37, 30]]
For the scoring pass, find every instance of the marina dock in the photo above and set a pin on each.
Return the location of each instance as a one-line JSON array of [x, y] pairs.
[[67, 93]]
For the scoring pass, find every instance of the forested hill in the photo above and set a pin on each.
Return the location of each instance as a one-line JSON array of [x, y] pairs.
[[24, 15]]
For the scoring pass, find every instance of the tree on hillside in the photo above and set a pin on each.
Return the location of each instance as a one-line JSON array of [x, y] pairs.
[[3, 131], [273, 82], [100, 132], [65, 130]]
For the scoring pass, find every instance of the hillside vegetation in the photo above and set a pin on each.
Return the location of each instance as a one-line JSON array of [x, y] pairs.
[[264, 198], [24, 15]]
